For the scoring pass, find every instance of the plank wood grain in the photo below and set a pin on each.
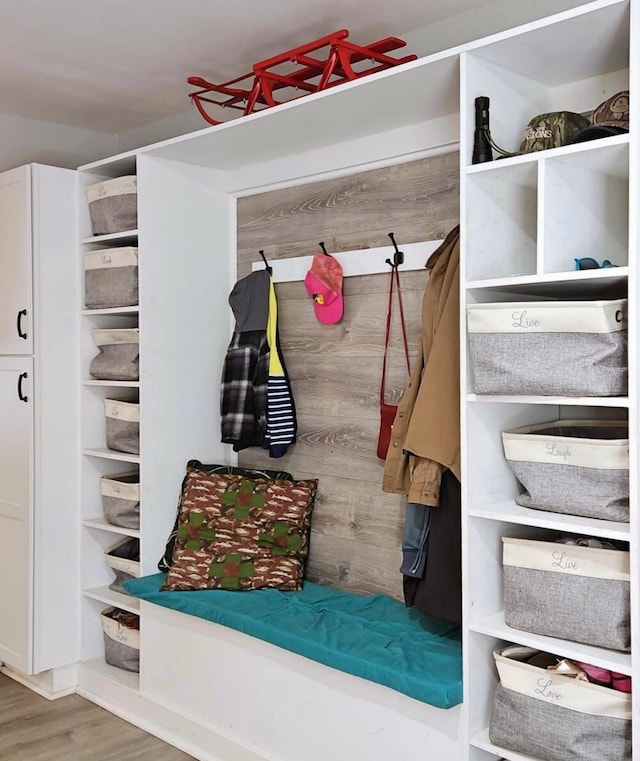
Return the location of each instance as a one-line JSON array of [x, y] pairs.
[[335, 370], [372, 570], [363, 514], [406, 195], [70, 729]]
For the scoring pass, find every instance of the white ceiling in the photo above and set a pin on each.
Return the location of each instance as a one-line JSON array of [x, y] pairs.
[[114, 65], [118, 65]]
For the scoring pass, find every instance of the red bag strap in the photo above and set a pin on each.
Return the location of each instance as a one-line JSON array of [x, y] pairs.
[[395, 277]]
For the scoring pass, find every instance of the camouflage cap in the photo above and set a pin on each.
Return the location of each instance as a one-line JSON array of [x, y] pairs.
[[552, 130], [611, 117], [613, 112]]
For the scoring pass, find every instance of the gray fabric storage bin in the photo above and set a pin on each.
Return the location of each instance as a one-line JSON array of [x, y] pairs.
[[550, 716], [119, 355], [552, 348], [121, 632], [121, 499], [124, 560], [113, 205], [122, 426], [566, 591], [111, 278], [576, 467]]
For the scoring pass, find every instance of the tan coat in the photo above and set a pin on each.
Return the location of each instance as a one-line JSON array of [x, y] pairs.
[[425, 438]]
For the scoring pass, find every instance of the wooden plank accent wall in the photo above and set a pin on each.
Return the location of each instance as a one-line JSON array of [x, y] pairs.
[[335, 369]]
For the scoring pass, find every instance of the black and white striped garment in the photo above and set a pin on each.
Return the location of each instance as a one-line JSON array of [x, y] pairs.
[[281, 415]]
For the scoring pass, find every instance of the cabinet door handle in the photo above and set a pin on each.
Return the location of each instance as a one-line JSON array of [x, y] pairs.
[[21, 396], [22, 313]]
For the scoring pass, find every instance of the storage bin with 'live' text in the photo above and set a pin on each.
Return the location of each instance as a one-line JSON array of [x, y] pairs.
[[124, 560], [552, 348], [113, 205], [119, 355], [568, 591], [121, 499], [122, 426], [111, 278], [576, 467], [121, 631]]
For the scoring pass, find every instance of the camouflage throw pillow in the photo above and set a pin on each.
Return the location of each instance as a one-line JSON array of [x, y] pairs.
[[167, 558], [237, 533]]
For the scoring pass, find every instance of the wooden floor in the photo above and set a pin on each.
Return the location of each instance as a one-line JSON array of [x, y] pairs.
[[70, 729]]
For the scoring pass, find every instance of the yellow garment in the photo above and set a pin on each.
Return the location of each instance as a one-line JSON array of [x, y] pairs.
[[275, 365], [425, 438]]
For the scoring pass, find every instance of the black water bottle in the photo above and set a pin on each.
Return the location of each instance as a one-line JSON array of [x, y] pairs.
[[481, 145]]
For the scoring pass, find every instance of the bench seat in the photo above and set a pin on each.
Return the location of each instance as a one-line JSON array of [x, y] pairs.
[[375, 638]]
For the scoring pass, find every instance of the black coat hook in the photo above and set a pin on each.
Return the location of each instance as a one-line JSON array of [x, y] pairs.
[[398, 256], [324, 250], [266, 263]]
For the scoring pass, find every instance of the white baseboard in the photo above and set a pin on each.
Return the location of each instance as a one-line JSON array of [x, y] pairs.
[[51, 685], [115, 696]]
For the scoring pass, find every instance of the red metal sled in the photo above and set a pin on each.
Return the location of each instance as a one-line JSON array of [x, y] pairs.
[[332, 63]]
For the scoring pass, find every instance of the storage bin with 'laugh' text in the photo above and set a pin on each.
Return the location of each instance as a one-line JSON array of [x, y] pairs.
[[576, 467]]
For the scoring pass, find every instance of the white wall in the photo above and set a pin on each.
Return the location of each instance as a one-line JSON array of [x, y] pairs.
[[494, 17], [171, 126], [473, 25], [24, 140]]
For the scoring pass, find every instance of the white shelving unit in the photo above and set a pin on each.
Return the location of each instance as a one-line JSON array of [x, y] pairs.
[[524, 221], [184, 329], [96, 534]]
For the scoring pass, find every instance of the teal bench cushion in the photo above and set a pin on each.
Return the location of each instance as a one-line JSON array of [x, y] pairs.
[[372, 637]]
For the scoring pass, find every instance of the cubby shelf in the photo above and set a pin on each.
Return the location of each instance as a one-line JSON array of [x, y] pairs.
[[117, 599], [572, 401], [113, 384], [112, 311], [102, 525], [552, 281], [510, 512], [98, 666], [110, 454], [481, 741], [552, 153], [494, 626], [129, 236]]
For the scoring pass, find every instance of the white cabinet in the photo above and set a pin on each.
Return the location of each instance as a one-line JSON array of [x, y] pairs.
[[38, 420], [15, 262], [16, 517], [523, 221]]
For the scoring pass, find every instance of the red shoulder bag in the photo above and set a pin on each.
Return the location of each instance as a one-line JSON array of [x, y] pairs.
[[388, 411]]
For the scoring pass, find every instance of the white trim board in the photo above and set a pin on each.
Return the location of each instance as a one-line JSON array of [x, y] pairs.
[[53, 684], [366, 261]]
